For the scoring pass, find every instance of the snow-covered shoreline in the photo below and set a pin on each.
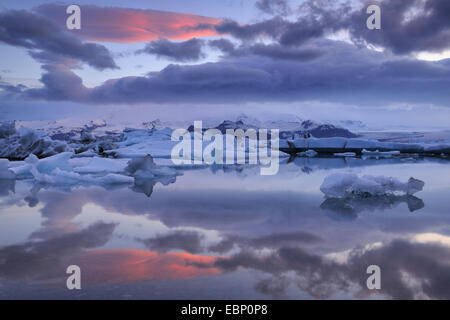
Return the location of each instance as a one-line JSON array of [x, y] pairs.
[[102, 157]]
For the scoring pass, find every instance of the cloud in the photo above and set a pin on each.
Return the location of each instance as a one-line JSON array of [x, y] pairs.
[[47, 260], [60, 83], [11, 89], [273, 6], [271, 28], [55, 250], [274, 240], [409, 270], [276, 51], [407, 26], [189, 50], [128, 265], [223, 45], [341, 73], [273, 51], [189, 241], [33, 32], [126, 25]]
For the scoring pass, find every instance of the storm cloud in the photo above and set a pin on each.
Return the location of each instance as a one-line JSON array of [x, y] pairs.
[[298, 64], [340, 73], [189, 241], [189, 50], [407, 25], [31, 31], [273, 6], [409, 270]]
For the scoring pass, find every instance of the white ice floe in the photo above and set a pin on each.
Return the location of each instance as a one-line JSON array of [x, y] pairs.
[[345, 154], [137, 143], [101, 165], [377, 153], [59, 170], [341, 185]]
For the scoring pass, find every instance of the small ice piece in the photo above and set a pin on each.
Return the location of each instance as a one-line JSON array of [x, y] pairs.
[[414, 185], [345, 154], [377, 153], [340, 185], [308, 153], [5, 173]]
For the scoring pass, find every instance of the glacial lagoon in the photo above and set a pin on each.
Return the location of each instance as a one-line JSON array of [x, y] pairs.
[[229, 233]]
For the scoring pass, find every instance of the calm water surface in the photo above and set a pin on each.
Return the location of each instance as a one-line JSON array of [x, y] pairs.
[[229, 234]]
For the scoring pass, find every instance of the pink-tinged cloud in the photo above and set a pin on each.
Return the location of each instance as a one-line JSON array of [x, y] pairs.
[[133, 265], [126, 25]]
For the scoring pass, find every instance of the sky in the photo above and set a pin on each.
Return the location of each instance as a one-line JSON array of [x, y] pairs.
[[194, 60]]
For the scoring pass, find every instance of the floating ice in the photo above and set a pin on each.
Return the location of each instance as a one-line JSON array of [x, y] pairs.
[[308, 153], [23, 142], [7, 128], [146, 167], [102, 165], [345, 154], [5, 173], [350, 144], [378, 153], [341, 185]]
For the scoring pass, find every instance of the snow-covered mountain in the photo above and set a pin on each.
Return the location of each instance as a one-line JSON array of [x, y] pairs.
[[289, 126]]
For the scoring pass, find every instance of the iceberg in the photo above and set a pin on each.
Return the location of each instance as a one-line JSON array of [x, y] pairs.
[[308, 153], [341, 185], [366, 147], [146, 167], [345, 154], [5, 173], [102, 165], [17, 145], [7, 128], [378, 153]]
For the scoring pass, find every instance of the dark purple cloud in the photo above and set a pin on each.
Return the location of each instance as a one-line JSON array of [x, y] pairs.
[[189, 50], [273, 51], [60, 83], [224, 45], [295, 66], [189, 241], [406, 25], [34, 32], [409, 270], [341, 73], [273, 6], [271, 28]]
